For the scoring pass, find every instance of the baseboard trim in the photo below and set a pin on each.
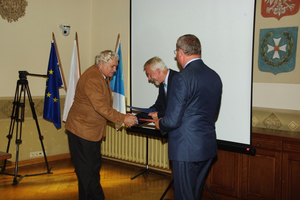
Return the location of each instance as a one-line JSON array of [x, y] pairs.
[[40, 160], [34, 161]]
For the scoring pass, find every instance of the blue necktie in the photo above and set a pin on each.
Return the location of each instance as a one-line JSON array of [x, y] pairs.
[[165, 87]]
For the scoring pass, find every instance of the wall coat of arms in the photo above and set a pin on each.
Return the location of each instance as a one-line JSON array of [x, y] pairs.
[[277, 49], [279, 8]]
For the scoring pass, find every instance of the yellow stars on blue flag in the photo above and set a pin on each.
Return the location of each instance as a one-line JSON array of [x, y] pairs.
[[53, 83]]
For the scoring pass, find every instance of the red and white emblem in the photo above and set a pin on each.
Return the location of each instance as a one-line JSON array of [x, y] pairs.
[[279, 8]]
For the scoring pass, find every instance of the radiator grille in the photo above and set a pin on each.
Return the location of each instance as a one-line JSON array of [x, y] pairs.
[[132, 147]]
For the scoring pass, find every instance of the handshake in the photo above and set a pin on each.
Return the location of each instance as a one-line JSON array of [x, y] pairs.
[[130, 120]]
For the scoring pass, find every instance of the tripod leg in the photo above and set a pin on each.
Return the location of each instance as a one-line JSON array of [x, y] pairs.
[[167, 189], [211, 192], [19, 115], [147, 170], [147, 167], [37, 126], [12, 124], [144, 171], [16, 181]]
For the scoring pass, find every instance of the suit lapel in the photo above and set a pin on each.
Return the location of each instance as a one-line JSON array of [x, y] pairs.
[[105, 82]]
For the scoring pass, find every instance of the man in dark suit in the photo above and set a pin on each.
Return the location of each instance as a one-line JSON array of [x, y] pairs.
[[158, 73], [190, 119]]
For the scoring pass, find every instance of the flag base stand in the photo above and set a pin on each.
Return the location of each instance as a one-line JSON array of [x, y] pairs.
[[17, 118]]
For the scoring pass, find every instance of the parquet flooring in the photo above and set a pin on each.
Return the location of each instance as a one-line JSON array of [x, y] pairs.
[[62, 183]]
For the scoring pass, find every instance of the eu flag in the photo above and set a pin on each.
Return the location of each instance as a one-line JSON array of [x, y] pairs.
[[53, 83]]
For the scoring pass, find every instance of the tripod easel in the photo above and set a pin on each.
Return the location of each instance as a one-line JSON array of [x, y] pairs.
[[147, 170], [17, 118]]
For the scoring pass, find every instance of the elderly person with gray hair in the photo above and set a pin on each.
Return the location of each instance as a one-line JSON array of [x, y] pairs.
[[86, 123], [158, 73]]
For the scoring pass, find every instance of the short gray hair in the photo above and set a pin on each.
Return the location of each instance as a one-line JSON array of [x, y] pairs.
[[105, 56], [156, 63], [190, 44]]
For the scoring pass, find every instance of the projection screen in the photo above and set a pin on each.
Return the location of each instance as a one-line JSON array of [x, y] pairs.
[[225, 29]]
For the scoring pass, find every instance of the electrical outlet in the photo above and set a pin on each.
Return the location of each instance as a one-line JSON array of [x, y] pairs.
[[36, 154]]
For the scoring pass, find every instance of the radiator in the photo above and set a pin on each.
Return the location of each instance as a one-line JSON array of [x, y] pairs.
[[131, 147]]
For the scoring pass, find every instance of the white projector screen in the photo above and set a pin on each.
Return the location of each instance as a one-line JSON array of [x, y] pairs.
[[225, 30]]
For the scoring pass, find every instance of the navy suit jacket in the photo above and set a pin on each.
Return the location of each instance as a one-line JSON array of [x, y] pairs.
[[160, 104], [193, 106]]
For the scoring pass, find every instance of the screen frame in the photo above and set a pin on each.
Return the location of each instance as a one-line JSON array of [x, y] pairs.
[[227, 145]]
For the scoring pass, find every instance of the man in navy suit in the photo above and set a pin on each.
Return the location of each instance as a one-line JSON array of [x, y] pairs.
[[193, 107], [158, 73]]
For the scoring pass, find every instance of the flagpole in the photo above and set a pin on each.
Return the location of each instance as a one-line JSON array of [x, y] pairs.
[[118, 92], [60, 66], [76, 38], [117, 44], [118, 40]]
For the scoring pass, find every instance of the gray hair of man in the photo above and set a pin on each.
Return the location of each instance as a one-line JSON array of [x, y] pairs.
[[190, 44], [156, 63], [105, 56]]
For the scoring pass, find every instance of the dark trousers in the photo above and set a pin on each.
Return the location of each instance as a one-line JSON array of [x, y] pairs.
[[189, 179], [86, 156]]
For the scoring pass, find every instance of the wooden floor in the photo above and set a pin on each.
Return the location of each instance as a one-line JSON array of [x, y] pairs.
[[62, 183]]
